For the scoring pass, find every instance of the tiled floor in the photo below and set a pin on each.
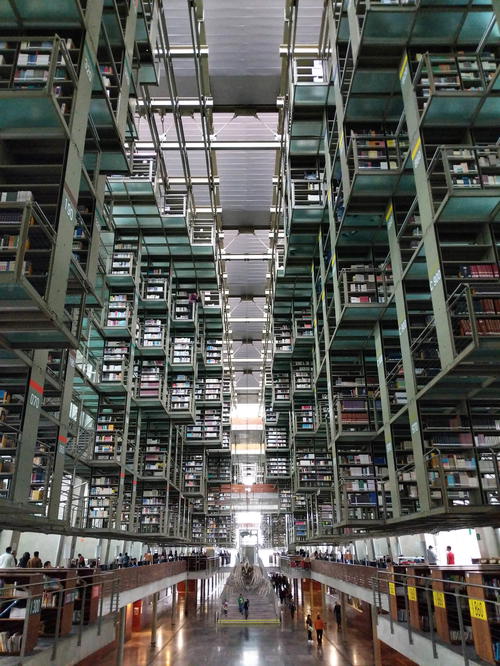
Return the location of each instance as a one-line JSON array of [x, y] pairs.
[[195, 640]]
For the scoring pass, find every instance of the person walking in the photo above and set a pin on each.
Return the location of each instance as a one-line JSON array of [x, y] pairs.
[[450, 556], [246, 607], [225, 607], [319, 625], [7, 560], [126, 560], [309, 628], [35, 562], [241, 601], [23, 561], [430, 555], [337, 611], [292, 609], [80, 562]]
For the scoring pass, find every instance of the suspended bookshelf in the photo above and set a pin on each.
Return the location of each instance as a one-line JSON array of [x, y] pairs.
[[194, 473]]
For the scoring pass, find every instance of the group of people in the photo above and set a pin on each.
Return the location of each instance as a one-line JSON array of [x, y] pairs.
[[225, 558], [123, 560], [431, 556], [243, 606], [318, 625], [8, 560], [282, 588]]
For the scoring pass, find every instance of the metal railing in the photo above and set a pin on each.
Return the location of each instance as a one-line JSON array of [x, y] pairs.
[[451, 607], [309, 70], [43, 64], [308, 193], [376, 152], [365, 285], [459, 169], [27, 595], [363, 416], [363, 6], [174, 205], [463, 73]]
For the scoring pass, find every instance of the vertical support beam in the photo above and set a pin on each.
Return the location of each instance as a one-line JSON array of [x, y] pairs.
[[377, 653], [154, 618], [408, 369], [386, 416], [120, 652], [56, 290], [126, 82], [174, 599], [27, 440], [138, 433], [426, 209], [60, 551], [62, 439], [343, 610]]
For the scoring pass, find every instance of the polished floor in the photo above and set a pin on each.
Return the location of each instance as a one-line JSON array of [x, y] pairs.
[[196, 640]]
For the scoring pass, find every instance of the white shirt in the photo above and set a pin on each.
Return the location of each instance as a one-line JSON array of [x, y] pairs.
[[7, 561]]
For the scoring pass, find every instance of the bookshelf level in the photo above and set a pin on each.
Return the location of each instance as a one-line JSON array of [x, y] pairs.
[[277, 437], [208, 390], [277, 466], [313, 464], [361, 471], [219, 467], [206, 427]]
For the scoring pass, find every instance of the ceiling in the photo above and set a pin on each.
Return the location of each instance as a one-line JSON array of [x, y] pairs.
[[244, 67]]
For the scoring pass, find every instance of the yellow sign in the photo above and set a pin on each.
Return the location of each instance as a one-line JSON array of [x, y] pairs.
[[416, 148], [412, 593], [478, 609], [439, 601], [403, 66], [392, 589], [389, 212]]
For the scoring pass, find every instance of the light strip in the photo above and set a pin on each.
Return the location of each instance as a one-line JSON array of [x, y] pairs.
[[215, 145], [240, 320]]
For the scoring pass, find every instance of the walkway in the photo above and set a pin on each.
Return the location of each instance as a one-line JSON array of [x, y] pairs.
[[195, 640]]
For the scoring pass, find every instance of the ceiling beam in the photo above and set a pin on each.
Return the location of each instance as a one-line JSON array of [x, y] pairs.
[[215, 145]]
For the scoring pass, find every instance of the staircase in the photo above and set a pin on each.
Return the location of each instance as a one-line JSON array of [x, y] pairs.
[[262, 609]]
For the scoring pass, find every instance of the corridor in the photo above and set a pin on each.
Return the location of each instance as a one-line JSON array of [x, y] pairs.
[[196, 640]]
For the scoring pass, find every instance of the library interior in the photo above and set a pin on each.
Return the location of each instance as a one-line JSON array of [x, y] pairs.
[[249, 394]]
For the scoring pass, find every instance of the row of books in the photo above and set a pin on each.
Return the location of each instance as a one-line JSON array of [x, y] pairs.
[[484, 327], [478, 271]]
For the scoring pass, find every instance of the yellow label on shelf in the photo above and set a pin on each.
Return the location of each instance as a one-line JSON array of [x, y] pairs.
[[478, 609], [416, 148], [412, 593], [438, 598], [404, 66], [392, 589]]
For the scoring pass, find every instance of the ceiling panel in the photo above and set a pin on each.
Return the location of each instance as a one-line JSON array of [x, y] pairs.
[[243, 41], [246, 179], [309, 21], [246, 278], [256, 242]]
